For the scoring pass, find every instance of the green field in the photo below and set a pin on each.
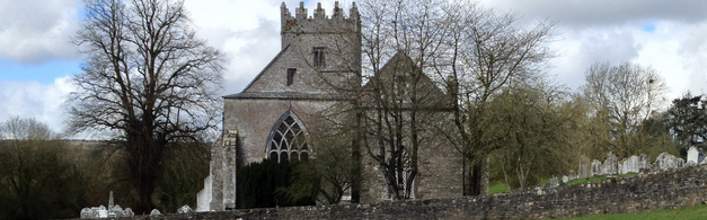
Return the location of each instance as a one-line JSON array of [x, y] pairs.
[[694, 213], [498, 187]]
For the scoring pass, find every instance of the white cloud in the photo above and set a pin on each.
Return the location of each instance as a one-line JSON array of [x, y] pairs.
[[677, 51], [34, 100], [669, 36], [37, 30], [604, 12]]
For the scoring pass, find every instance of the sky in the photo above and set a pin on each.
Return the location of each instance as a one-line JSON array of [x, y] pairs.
[[38, 57]]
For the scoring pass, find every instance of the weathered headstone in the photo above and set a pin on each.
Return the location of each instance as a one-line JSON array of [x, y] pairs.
[[128, 212], [553, 182], [634, 164], [155, 212], [116, 211], [610, 165], [666, 161], [644, 163], [87, 213], [102, 212], [694, 156], [585, 168], [596, 167], [539, 191], [185, 210]]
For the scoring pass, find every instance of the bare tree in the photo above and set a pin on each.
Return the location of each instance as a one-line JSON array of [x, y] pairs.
[[37, 173], [623, 96], [400, 102], [147, 79], [484, 53]]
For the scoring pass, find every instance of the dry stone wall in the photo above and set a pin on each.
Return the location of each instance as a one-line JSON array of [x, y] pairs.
[[671, 189]]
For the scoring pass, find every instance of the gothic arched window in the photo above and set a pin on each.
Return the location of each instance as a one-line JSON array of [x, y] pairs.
[[288, 140]]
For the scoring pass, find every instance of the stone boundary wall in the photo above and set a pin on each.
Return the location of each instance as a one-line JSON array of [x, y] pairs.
[[671, 189]]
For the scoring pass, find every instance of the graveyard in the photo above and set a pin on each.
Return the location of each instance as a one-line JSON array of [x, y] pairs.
[[353, 109]]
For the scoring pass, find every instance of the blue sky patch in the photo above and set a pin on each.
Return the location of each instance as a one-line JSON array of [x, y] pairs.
[[649, 27], [45, 72]]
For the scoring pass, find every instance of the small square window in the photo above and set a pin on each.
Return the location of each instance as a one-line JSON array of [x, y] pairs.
[[291, 75], [319, 58]]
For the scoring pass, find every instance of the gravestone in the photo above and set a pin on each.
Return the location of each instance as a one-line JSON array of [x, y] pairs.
[[185, 210], [102, 212], [155, 212], [553, 182], [694, 156], [88, 213], [596, 167], [585, 168], [634, 164], [610, 165], [666, 161]]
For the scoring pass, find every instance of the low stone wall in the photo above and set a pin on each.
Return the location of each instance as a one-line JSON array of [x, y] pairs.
[[672, 189]]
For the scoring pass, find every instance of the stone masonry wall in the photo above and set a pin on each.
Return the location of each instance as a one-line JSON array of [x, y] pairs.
[[673, 189]]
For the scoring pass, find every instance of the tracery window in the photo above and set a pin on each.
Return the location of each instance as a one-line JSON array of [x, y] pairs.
[[288, 140]]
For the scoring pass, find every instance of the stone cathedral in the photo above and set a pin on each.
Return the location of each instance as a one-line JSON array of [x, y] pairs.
[[270, 117]]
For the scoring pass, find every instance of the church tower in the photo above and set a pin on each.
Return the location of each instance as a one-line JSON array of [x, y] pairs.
[[317, 49], [320, 56]]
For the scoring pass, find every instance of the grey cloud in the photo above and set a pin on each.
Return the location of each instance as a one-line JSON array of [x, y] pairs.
[[603, 12], [693, 52], [37, 30], [34, 100], [576, 51], [261, 45]]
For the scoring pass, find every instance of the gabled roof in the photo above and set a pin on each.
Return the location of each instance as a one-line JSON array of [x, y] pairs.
[[435, 98], [277, 57], [400, 59]]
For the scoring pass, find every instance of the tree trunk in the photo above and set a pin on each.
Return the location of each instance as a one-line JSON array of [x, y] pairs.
[[476, 178], [145, 191], [356, 157], [144, 158]]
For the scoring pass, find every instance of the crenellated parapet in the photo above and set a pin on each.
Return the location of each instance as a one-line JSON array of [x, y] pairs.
[[318, 22]]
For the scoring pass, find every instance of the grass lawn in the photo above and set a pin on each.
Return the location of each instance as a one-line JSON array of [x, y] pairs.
[[596, 179], [694, 213], [498, 187]]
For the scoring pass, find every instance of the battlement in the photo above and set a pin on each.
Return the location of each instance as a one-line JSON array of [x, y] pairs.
[[301, 13], [319, 22]]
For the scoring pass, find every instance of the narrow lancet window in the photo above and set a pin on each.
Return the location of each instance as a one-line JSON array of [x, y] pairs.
[[319, 57], [291, 76]]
